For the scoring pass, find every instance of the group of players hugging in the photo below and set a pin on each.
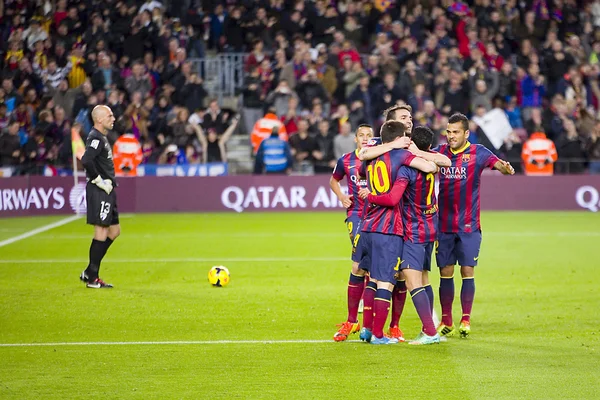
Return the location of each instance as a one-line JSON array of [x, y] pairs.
[[396, 221]]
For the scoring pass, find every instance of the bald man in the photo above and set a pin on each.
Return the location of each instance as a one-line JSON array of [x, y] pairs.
[[101, 199]]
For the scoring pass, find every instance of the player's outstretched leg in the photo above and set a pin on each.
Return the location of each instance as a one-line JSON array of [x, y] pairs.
[[446, 327], [467, 295], [369, 299], [398, 300]]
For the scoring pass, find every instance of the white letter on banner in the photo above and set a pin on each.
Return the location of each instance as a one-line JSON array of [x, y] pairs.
[[266, 191], [297, 194], [45, 196], [58, 198], [280, 197], [21, 199], [34, 198], [321, 197], [6, 199], [236, 204], [252, 197], [594, 201]]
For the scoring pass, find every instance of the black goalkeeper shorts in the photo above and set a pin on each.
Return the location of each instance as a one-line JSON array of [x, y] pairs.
[[101, 207]]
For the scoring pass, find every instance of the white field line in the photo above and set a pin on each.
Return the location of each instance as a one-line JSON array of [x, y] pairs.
[[209, 235], [39, 230], [168, 343], [176, 260]]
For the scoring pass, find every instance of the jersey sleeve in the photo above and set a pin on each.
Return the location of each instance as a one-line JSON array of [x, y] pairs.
[[486, 158], [338, 171], [406, 157], [93, 148]]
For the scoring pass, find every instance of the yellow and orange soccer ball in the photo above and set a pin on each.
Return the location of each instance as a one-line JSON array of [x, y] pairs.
[[219, 276]]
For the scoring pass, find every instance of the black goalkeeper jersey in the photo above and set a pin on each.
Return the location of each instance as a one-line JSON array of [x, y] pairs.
[[98, 157]]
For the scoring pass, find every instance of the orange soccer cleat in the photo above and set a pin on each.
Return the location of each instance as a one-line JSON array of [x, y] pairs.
[[396, 333], [346, 329]]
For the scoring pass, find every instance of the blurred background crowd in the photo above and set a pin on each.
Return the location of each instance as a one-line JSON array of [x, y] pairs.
[[320, 68]]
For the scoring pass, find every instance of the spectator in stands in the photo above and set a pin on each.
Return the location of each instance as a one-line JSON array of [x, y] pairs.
[[10, 146], [571, 148], [324, 157], [594, 149], [213, 145], [539, 155], [263, 128], [252, 99], [310, 88], [303, 146], [280, 98], [344, 142], [274, 155]]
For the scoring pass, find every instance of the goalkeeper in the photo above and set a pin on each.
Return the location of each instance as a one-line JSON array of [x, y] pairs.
[[101, 198]]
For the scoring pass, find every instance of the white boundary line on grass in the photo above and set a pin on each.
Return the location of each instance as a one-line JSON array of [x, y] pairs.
[[167, 343], [175, 260], [39, 230]]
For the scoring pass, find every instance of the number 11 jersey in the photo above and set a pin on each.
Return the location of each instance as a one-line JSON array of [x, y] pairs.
[[420, 209]]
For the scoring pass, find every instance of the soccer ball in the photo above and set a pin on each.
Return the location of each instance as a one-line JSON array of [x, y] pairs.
[[218, 276]]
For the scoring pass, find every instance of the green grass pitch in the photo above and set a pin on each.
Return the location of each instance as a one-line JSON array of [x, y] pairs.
[[534, 334]]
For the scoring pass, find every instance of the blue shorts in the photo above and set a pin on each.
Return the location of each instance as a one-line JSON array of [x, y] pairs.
[[385, 253], [461, 247], [353, 223], [417, 256], [359, 253]]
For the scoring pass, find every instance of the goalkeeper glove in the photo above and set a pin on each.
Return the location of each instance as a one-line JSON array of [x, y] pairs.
[[104, 184]]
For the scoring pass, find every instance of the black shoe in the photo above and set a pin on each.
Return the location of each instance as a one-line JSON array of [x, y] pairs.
[[99, 284], [84, 278]]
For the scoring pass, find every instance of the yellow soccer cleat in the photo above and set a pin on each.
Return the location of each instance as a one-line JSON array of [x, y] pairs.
[[445, 330], [346, 329], [464, 329]]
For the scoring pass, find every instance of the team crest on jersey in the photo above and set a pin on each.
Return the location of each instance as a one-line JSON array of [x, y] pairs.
[[466, 157]]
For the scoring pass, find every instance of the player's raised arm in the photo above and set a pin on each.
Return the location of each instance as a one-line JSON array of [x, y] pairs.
[[504, 167], [370, 153]]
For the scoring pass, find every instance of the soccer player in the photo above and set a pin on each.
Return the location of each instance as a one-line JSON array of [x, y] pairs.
[[399, 292], [101, 199], [382, 230], [401, 113], [349, 165], [459, 227], [419, 218]]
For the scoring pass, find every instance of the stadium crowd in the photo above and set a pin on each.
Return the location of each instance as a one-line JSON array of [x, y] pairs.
[[321, 68]]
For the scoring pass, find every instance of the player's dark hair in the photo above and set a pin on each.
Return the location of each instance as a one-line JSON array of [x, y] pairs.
[[392, 130], [390, 113], [363, 126], [422, 136], [458, 117]]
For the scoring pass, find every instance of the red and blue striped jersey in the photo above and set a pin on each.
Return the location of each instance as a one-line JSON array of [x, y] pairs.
[[459, 187], [349, 165], [420, 209], [382, 175]]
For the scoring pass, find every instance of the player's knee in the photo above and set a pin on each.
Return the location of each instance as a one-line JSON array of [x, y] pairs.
[[356, 270], [100, 233], [114, 231], [447, 271], [467, 272]]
